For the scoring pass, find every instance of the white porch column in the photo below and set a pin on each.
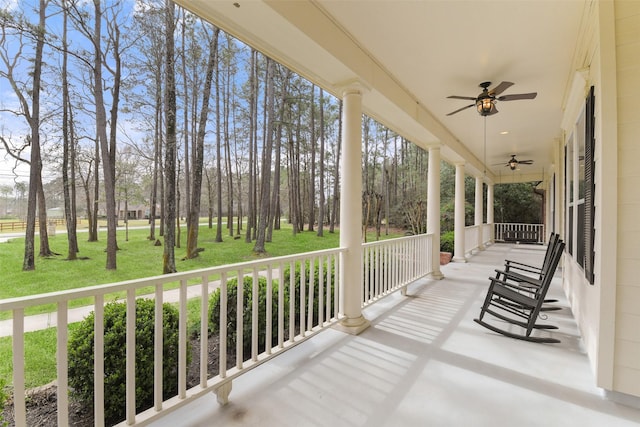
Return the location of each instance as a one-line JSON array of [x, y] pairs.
[[351, 211], [458, 226], [478, 212], [433, 209], [490, 212]]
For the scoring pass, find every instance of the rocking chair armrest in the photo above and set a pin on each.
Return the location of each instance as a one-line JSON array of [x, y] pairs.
[[522, 267], [509, 275]]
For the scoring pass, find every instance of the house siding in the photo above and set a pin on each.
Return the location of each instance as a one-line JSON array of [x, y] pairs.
[[627, 337]]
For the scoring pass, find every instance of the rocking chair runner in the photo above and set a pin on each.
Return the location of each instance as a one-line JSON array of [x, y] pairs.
[[519, 304]]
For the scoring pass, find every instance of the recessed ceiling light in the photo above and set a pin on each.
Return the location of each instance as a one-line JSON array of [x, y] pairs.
[[504, 132]]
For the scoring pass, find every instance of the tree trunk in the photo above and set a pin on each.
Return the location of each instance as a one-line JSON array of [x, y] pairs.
[[193, 215], [68, 155], [106, 148], [312, 172], [35, 178], [252, 142], [336, 175], [218, 146], [321, 190], [169, 210], [265, 190]]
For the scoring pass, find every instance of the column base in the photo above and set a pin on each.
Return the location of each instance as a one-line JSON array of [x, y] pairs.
[[459, 259], [482, 247], [352, 326], [436, 275]]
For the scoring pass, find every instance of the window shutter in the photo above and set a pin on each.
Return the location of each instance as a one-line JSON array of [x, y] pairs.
[[589, 173]]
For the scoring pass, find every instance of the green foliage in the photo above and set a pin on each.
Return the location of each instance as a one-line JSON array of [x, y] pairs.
[[517, 203], [308, 290], [447, 242], [81, 357], [247, 303]]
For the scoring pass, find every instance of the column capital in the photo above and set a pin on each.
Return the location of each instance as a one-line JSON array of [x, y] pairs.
[[353, 86]]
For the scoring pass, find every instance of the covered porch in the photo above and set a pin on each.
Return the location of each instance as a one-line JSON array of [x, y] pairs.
[[422, 362]]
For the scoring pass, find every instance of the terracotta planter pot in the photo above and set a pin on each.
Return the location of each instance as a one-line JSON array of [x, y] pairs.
[[445, 258]]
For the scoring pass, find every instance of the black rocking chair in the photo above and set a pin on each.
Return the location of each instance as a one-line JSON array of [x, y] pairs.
[[519, 301], [530, 275]]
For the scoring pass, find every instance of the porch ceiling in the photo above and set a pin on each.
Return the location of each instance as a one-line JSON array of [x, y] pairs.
[[413, 54]]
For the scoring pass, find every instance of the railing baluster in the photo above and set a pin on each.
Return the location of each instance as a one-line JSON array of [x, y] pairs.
[[222, 369], [204, 331], [255, 299], [269, 322], [321, 291], [281, 306], [303, 291], [292, 299], [98, 363], [62, 364], [158, 345], [310, 294], [130, 351], [182, 341], [239, 319], [331, 288], [19, 406]]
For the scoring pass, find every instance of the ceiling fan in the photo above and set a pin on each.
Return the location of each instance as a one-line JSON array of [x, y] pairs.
[[486, 102], [513, 162]]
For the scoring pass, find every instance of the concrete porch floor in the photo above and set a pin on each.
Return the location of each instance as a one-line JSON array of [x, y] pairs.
[[424, 362]]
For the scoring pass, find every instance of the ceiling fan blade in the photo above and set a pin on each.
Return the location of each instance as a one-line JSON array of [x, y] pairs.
[[460, 109], [500, 88], [461, 97], [525, 162], [517, 96]]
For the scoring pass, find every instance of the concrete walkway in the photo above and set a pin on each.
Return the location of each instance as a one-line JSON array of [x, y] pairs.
[[48, 320]]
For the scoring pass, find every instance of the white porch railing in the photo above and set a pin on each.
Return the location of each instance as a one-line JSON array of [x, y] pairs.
[[486, 233], [517, 232], [388, 266], [470, 239]]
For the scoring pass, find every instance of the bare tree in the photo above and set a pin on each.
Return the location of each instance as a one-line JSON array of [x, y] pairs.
[[169, 260], [267, 149], [193, 216], [69, 151], [321, 172], [32, 115]]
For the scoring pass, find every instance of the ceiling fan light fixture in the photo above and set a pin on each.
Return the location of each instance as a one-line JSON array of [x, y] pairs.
[[513, 164], [484, 104]]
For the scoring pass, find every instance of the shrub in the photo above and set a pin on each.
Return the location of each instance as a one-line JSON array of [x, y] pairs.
[[247, 304], [316, 281], [81, 357], [447, 242]]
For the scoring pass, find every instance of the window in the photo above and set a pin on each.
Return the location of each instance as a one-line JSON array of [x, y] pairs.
[[580, 189]]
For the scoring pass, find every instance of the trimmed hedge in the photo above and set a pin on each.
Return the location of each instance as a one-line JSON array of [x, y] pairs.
[[81, 357], [247, 297], [316, 281]]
